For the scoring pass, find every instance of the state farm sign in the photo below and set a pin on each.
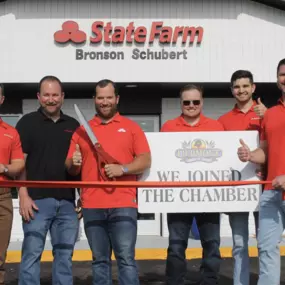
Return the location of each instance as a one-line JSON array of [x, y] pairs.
[[109, 34]]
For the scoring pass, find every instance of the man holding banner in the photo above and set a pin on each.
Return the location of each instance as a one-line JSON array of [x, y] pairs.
[[179, 224], [272, 201], [110, 214], [11, 164], [246, 115]]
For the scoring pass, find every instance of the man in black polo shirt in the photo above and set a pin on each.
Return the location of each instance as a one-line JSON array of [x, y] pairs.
[[45, 136]]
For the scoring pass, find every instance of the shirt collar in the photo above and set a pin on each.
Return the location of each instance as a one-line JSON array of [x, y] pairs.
[[236, 109], [98, 121], [45, 117], [181, 121], [281, 102]]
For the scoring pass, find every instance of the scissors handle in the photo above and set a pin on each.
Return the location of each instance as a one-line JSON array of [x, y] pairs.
[[104, 158]]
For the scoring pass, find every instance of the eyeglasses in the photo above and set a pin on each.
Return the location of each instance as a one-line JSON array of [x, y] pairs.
[[188, 102]]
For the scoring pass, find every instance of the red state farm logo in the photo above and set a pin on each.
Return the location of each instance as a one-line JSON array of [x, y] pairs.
[[70, 32]]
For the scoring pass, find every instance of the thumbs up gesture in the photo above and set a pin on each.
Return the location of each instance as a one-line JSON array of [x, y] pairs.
[[260, 108], [243, 152], [77, 158]]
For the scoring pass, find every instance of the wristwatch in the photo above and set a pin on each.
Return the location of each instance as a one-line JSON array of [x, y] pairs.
[[125, 169], [5, 169]]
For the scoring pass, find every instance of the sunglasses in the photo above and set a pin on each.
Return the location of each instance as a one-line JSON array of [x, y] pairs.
[[188, 102]]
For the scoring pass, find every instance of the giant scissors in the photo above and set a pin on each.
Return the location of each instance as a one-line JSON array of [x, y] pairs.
[[102, 156]]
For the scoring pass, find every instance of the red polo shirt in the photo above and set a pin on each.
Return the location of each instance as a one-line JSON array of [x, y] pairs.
[[180, 125], [122, 139], [10, 146], [236, 120], [272, 131]]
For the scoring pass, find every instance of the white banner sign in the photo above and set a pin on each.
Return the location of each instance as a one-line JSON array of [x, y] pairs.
[[199, 156]]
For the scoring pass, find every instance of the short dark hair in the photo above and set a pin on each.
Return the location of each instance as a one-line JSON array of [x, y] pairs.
[[103, 83], [189, 87], [2, 88], [241, 74], [281, 62], [50, 78]]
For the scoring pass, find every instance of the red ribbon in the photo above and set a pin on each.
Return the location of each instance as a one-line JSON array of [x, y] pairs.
[[122, 184]]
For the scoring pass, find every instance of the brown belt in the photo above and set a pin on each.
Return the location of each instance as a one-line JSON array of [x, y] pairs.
[[4, 190]]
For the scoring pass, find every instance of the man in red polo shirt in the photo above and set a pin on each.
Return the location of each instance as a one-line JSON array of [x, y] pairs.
[[241, 118], [272, 204], [11, 164], [110, 215], [179, 224]]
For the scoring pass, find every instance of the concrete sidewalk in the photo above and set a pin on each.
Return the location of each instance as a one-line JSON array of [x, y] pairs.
[[151, 272]]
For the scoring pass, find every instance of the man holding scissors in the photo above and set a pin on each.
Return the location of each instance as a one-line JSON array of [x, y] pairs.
[[110, 214]]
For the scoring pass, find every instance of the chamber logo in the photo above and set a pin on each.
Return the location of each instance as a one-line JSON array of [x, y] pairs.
[[70, 32], [198, 150]]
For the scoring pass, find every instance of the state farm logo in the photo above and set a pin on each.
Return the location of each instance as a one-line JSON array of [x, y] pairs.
[[70, 32], [108, 33]]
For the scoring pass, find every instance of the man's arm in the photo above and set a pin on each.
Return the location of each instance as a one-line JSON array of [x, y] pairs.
[[27, 205], [258, 156], [139, 164], [14, 168]]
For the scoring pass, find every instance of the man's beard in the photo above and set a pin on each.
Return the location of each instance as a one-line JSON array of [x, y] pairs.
[[108, 116]]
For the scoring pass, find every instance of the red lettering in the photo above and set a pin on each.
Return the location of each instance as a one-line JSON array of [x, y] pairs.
[[177, 32], [129, 34], [154, 30], [119, 35], [166, 35], [130, 30], [107, 30], [97, 32], [140, 34], [193, 34]]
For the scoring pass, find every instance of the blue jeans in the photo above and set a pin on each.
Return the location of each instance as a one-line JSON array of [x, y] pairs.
[[239, 226], [116, 229], [271, 226], [179, 226], [60, 218]]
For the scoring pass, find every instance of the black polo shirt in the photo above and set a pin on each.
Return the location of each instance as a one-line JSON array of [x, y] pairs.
[[46, 144]]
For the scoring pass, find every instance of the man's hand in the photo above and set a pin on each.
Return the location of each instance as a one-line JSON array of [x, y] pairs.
[[260, 108], [77, 157], [2, 168], [27, 207], [78, 209], [279, 182], [243, 152], [113, 170]]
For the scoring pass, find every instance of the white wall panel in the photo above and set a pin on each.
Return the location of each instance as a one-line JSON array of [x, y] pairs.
[[237, 34]]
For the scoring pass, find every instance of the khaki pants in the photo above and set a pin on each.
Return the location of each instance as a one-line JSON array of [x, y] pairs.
[[6, 219]]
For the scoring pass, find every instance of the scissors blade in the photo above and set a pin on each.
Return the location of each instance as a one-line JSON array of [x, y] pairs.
[[85, 124]]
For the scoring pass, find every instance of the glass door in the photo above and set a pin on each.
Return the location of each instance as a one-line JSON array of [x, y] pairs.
[[148, 224]]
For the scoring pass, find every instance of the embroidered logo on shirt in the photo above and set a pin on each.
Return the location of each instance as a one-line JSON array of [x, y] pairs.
[[68, 131], [121, 130], [9, 136], [255, 118]]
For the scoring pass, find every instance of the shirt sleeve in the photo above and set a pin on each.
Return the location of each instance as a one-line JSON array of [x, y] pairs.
[[23, 130], [16, 152], [140, 143], [165, 127]]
